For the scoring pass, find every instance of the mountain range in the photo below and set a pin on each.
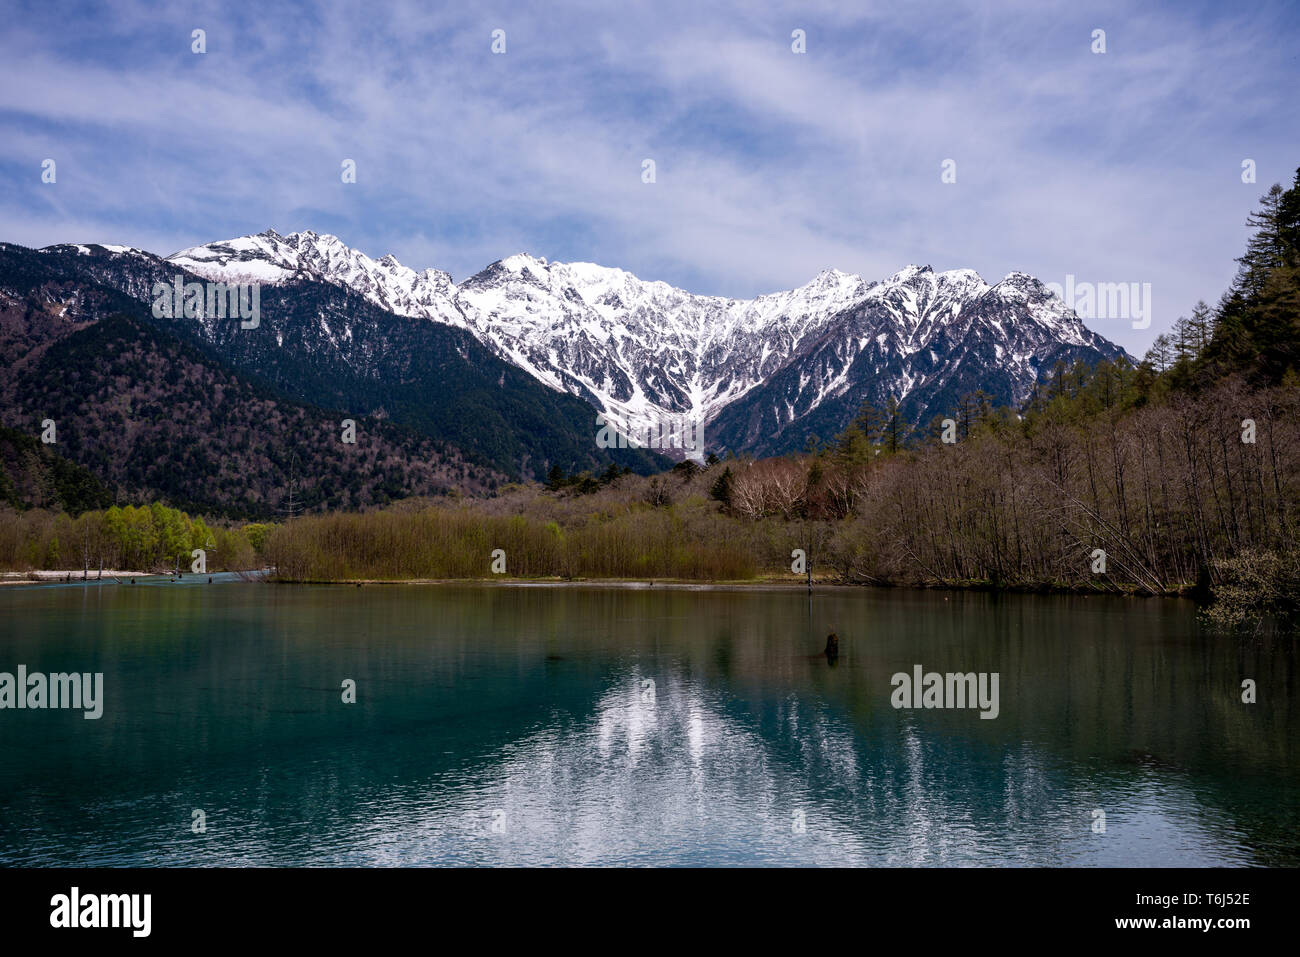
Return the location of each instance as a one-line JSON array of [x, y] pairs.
[[502, 372], [760, 374]]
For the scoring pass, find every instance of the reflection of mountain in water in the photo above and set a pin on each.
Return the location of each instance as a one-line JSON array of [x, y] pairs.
[[688, 776], [531, 702]]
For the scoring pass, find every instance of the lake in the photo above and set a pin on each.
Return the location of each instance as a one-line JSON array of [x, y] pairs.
[[532, 725]]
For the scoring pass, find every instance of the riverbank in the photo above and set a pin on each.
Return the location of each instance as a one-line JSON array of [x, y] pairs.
[[764, 582], [773, 583], [66, 575]]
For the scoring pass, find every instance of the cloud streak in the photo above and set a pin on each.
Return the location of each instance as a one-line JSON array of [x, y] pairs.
[[1122, 167]]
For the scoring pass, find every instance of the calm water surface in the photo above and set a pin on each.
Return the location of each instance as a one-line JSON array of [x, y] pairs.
[[539, 725]]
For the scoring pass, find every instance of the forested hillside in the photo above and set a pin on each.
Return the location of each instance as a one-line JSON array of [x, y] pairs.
[[157, 420], [326, 346], [33, 475]]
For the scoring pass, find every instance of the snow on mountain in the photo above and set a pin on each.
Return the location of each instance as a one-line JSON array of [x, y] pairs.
[[642, 350], [922, 338], [271, 258]]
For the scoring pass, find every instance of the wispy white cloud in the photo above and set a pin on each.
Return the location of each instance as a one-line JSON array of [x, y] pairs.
[[771, 165]]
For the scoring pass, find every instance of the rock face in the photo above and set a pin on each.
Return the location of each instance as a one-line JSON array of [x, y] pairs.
[[761, 374]]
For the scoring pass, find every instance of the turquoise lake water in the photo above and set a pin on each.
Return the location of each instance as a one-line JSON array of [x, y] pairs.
[[665, 726]]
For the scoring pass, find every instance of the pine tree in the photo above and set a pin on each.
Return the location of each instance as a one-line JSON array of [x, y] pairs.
[[721, 490], [1160, 355], [856, 444], [870, 421], [1257, 328], [973, 408], [1265, 249], [895, 430]]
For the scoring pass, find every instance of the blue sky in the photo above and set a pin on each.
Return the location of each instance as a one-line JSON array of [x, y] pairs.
[[1115, 167]]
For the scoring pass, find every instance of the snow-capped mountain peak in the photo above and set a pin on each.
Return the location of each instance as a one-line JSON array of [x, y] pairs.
[[644, 350]]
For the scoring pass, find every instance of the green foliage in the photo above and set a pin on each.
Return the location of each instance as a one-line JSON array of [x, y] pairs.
[[155, 537], [1255, 330], [1081, 393], [895, 430], [257, 533], [859, 442]]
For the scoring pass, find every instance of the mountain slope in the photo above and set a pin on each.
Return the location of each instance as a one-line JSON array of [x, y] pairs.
[[927, 339], [324, 344], [160, 419], [32, 475], [762, 373]]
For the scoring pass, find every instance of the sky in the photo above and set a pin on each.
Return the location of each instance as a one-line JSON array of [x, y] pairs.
[[770, 165]]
